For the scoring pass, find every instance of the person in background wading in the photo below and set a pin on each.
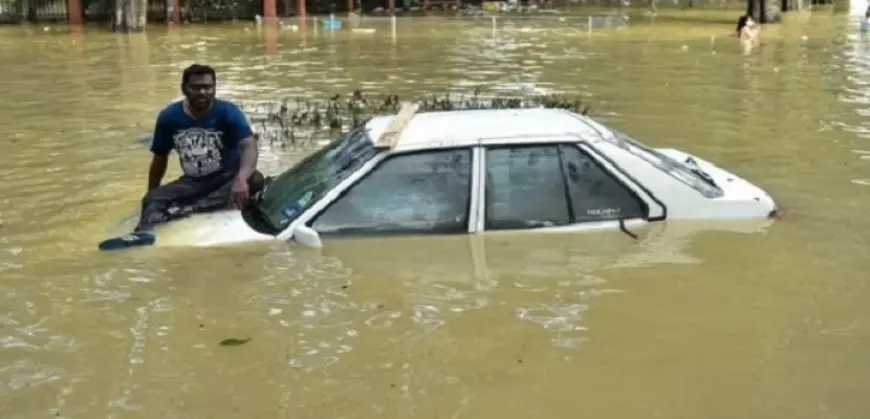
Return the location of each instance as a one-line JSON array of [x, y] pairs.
[[865, 23], [747, 32], [217, 151]]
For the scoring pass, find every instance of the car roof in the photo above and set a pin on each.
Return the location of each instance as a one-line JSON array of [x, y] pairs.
[[466, 127]]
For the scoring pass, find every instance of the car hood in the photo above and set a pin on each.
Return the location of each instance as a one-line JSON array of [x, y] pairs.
[[209, 229]]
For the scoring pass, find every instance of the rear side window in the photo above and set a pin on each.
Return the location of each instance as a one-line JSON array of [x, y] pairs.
[[552, 185], [525, 188]]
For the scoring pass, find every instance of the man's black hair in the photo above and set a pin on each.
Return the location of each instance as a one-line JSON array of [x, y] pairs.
[[741, 22], [197, 70]]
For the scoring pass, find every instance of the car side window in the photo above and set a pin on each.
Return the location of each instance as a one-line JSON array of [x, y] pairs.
[[413, 193], [525, 188], [551, 185], [595, 195]]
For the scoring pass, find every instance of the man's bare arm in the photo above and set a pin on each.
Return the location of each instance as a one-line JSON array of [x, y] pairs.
[[157, 171], [161, 145], [250, 155]]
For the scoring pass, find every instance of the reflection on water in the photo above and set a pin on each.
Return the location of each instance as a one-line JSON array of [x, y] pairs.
[[687, 321], [857, 92]]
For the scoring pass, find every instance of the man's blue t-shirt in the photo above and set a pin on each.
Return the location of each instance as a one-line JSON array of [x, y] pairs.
[[205, 145]]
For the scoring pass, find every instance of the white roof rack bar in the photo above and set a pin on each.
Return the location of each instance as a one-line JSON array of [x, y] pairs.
[[391, 135]]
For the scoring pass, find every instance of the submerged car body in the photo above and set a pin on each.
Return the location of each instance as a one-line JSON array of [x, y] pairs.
[[473, 171]]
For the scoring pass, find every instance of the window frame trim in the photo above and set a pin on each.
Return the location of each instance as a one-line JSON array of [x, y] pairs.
[[329, 199]]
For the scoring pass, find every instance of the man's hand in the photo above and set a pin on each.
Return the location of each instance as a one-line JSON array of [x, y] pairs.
[[240, 193]]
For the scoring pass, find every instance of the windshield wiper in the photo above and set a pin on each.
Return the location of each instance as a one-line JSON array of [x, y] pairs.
[[696, 169]]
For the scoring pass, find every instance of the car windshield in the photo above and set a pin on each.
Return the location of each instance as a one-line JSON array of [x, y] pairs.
[[693, 177], [291, 193]]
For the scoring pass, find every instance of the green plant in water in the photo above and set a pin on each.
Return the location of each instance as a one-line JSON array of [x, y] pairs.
[[295, 121], [201, 9]]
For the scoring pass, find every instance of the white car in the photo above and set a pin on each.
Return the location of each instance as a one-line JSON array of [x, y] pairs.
[[475, 171]]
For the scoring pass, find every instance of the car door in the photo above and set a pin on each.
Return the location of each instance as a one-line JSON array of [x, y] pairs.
[[556, 186]]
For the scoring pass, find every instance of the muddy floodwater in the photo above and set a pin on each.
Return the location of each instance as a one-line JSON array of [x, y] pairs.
[[765, 322]]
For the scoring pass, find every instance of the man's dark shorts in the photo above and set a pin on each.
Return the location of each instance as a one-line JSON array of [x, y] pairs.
[[187, 195]]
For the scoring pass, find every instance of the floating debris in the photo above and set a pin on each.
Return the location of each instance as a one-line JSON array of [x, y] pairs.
[[290, 122], [234, 341]]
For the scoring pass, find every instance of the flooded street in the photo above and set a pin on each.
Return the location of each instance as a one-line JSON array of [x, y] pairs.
[[680, 324]]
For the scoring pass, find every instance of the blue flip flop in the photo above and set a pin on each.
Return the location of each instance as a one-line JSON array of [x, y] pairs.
[[130, 240]]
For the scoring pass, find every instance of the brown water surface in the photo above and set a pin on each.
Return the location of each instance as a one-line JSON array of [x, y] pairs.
[[679, 324]]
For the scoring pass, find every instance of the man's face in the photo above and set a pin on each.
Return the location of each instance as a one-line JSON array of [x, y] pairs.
[[199, 91]]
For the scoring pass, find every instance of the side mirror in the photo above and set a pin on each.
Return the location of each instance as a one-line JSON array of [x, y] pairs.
[[307, 236]]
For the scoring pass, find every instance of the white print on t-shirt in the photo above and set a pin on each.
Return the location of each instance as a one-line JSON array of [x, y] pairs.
[[199, 150]]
